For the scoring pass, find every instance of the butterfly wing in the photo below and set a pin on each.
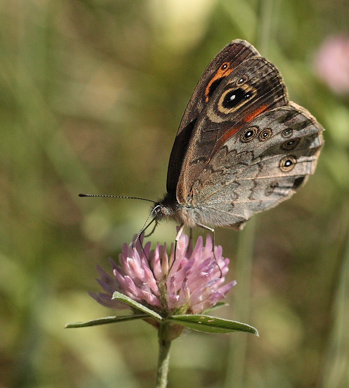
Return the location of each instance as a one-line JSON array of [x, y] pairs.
[[253, 87], [258, 167], [220, 67]]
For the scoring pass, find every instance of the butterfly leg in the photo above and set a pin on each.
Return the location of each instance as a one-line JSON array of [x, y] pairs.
[[156, 222], [141, 234], [213, 243], [206, 227], [179, 233], [144, 228]]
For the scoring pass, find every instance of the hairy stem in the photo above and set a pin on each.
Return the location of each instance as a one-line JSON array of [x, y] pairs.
[[164, 357]]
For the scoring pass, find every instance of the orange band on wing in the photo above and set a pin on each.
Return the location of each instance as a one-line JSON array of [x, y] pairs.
[[221, 73], [232, 131], [255, 113], [228, 135]]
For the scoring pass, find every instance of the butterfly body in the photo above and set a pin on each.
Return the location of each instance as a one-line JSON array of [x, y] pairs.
[[242, 147]]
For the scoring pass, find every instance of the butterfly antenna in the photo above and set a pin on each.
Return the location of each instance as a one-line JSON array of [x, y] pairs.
[[146, 224], [115, 196]]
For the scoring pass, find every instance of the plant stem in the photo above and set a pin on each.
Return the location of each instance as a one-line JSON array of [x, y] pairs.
[[164, 357], [237, 357]]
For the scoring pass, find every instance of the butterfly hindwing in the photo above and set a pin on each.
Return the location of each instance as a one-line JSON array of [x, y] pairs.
[[249, 175]]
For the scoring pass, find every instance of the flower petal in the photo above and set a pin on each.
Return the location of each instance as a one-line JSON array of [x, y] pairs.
[[189, 279]]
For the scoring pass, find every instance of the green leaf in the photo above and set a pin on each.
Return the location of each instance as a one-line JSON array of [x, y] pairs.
[[125, 299], [210, 324], [106, 320]]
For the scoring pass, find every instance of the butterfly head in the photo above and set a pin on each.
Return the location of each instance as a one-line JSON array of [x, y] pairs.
[[170, 208], [166, 208]]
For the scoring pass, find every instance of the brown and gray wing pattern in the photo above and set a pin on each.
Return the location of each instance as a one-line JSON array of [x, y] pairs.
[[220, 67], [253, 87], [257, 168]]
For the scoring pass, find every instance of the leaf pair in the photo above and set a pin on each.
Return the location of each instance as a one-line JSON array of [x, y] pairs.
[[198, 322]]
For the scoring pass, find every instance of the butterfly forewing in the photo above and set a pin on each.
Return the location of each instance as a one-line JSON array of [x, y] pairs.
[[220, 67], [253, 87]]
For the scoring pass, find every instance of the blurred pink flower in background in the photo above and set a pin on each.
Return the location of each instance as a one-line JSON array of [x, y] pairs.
[[190, 281], [332, 63]]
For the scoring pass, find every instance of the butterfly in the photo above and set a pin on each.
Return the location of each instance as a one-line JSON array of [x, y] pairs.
[[241, 148]]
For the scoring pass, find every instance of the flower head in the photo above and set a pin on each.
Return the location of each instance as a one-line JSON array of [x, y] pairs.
[[189, 280]]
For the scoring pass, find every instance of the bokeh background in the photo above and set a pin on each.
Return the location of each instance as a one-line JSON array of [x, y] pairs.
[[91, 94]]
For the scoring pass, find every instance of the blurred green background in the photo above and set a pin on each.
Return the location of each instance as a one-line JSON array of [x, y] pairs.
[[92, 92]]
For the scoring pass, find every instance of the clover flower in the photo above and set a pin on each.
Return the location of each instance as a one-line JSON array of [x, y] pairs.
[[169, 291], [187, 281]]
